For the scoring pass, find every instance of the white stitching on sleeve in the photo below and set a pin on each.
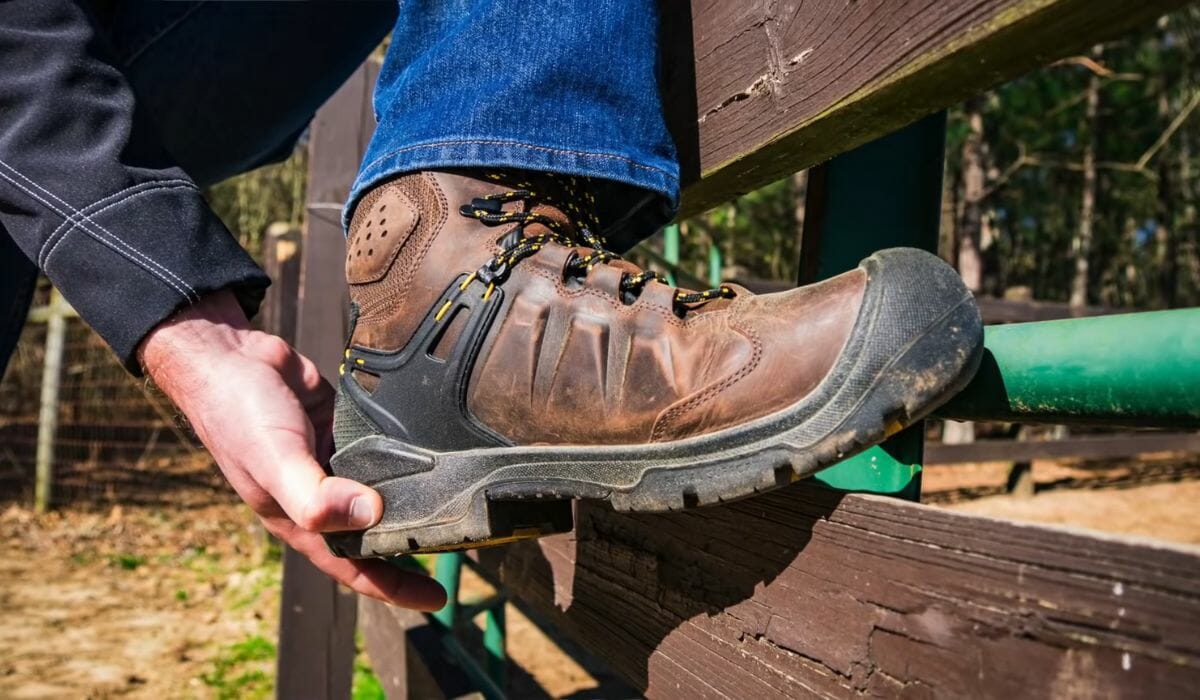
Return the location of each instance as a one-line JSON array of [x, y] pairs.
[[106, 237], [91, 210], [76, 225]]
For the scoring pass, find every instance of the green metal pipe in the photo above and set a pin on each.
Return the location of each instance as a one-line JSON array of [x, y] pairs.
[[716, 265], [448, 572], [1139, 369], [494, 645], [671, 251]]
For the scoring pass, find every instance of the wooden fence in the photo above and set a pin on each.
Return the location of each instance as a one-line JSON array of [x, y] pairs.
[[804, 591]]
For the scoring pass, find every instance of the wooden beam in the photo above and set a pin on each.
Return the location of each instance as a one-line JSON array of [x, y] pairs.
[[1082, 447], [758, 90], [805, 592], [406, 653], [281, 262], [317, 619], [996, 310]]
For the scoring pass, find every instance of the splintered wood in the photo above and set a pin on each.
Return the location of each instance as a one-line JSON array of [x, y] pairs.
[[756, 91]]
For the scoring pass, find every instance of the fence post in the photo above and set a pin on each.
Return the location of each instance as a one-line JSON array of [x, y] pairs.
[[56, 331], [281, 262], [317, 619]]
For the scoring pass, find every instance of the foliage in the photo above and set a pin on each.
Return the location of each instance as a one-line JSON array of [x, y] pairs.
[[1035, 132], [243, 670], [366, 685], [757, 235], [252, 201], [128, 562]]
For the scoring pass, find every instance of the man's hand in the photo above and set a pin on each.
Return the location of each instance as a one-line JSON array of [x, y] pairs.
[[265, 414]]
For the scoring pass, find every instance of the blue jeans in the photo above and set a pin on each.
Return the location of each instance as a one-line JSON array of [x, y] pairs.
[[566, 86]]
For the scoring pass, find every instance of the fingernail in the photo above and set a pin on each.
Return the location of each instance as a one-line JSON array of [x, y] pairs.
[[362, 512]]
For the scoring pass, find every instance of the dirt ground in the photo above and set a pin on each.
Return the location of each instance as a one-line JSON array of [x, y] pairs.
[[140, 602], [177, 602], [181, 600], [1152, 498], [1157, 511]]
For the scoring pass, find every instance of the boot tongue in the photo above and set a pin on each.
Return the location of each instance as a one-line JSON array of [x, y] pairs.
[[553, 213], [554, 196]]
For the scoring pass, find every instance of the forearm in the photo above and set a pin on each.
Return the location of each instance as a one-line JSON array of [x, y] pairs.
[[89, 195]]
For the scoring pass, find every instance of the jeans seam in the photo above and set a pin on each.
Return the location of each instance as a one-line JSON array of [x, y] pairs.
[[90, 209], [518, 144], [112, 241]]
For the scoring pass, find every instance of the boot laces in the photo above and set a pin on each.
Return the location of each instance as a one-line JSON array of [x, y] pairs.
[[579, 206]]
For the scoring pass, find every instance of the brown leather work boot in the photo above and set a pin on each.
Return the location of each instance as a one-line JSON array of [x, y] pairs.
[[502, 362]]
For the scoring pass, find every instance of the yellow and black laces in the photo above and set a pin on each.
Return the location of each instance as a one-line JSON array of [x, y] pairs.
[[579, 206]]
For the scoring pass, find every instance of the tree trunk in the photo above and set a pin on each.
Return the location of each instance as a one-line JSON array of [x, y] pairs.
[[970, 228], [1165, 234], [1189, 244], [799, 198], [1081, 246], [969, 231], [799, 201], [948, 226]]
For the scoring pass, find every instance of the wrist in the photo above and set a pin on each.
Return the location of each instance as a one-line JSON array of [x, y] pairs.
[[215, 324]]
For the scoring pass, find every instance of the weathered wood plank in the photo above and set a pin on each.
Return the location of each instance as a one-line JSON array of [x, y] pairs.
[[1081, 447], [406, 653], [776, 87], [316, 626], [806, 591], [996, 310]]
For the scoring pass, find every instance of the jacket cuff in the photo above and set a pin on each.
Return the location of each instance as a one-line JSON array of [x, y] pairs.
[[130, 264]]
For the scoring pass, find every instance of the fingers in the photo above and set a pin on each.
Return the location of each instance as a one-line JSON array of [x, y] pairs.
[[316, 397], [317, 502], [303, 377], [370, 577], [284, 466]]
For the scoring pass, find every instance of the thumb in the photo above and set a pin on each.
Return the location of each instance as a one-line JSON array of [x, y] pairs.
[[314, 500]]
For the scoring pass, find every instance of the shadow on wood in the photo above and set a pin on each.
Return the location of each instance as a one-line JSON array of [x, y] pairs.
[[658, 571], [807, 591]]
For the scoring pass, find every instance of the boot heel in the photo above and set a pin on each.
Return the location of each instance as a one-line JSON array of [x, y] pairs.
[[430, 507]]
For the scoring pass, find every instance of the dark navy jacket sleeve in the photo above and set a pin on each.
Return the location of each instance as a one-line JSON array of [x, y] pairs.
[[87, 192]]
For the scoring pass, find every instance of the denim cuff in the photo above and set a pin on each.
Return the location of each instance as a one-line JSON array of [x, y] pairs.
[[129, 262], [658, 179]]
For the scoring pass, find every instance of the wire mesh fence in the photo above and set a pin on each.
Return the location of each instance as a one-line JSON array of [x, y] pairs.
[[117, 440]]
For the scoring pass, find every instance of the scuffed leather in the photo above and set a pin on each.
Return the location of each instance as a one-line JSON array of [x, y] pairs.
[[568, 362], [379, 236]]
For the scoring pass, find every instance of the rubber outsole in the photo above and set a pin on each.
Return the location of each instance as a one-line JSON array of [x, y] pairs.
[[917, 342]]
